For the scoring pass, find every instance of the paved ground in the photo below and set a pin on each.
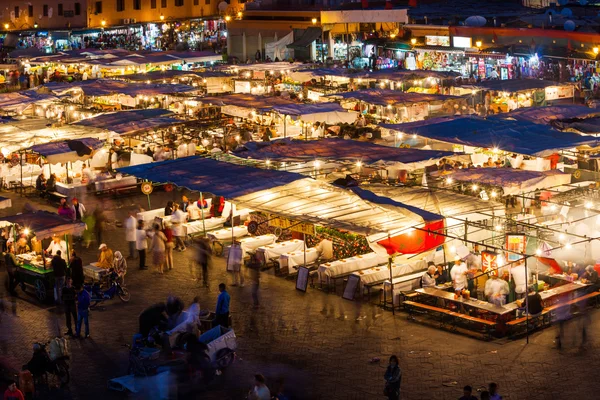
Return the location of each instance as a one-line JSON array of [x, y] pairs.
[[301, 337]]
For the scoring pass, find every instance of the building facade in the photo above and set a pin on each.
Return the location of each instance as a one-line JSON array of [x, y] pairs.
[[20, 15]]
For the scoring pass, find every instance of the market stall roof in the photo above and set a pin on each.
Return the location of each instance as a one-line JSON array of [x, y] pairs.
[[45, 224], [338, 150], [512, 136], [279, 66], [107, 87], [512, 181], [586, 126], [207, 175], [391, 74], [514, 85], [68, 150], [444, 202], [131, 121], [247, 101], [330, 113], [24, 132], [5, 202], [19, 101], [392, 97], [172, 74], [545, 115]]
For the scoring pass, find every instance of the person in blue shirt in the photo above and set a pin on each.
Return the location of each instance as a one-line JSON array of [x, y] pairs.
[[83, 305], [222, 311]]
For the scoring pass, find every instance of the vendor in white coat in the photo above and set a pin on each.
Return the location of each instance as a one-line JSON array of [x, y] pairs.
[[130, 228], [459, 274], [178, 219], [518, 274], [56, 245], [496, 289]]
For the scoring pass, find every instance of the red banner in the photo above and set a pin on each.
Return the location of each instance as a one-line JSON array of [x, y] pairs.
[[416, 241]]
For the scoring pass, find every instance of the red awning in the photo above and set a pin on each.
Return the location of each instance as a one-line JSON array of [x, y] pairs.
[[416, 241]]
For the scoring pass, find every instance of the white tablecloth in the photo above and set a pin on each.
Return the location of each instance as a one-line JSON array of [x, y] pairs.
[[148, 216], [209, 224], [115, 184], [5, 203], [275, 250], [71, 189], [225, 234], [296, 258], [351, 264], [380, 274], [403, 284], [254, 242]]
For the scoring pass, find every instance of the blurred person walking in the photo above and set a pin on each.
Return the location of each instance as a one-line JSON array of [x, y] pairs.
[[130, 225], [158, 246]]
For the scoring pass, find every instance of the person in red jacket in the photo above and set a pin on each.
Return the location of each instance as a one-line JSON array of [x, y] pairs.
[[12, 393]]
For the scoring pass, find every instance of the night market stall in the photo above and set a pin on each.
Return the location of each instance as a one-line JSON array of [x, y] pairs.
[[395, 106], [29, 232]]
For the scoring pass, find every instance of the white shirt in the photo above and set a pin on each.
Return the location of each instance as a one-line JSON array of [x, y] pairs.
[[82, 210], [130, 227], [178, 218], [260, 393], [458, 276], [427, 280], [518, 274], [194, 211], [140, 239], [54, 247], [495, 287]]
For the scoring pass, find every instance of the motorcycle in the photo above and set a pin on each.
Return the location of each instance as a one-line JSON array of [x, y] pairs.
[[114, 288]]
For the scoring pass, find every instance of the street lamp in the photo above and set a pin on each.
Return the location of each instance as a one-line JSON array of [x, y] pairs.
[[314, 21], [595, 50], [478, 44], [35, 25], [162, 17], [103, 23], [239, 14], [227, 18], [413, 41], [6, 26]]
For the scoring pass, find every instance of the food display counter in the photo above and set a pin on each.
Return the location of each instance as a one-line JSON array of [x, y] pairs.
[[32, 272]]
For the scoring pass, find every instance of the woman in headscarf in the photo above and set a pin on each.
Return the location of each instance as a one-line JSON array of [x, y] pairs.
[[120, 266]]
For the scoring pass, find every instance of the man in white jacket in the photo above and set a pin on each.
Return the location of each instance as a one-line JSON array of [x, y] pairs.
[[78, 209], [130, 225]]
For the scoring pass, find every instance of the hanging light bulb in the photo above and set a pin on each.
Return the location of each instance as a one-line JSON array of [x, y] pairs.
[[474, 187], [538, 252]]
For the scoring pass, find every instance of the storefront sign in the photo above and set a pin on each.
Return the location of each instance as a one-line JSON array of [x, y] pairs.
[[559, 92], [242, 87], [481, 68], [489, 260], [516, 244], [437, 41], [463, 42], [284, 223], [314, 96]]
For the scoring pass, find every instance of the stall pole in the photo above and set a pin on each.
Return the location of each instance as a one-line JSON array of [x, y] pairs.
[[67, 243], [526, 304], [347, 46], [304, 237], [391, 284], [284, 126], [21, 163], [202, 213], [149, 206]]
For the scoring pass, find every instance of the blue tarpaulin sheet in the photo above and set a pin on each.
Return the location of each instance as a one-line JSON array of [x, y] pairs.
[[392, 97], [48, 149], [173, 73], [513, 136], [207, 175], [127, 122], [307, 109], [374, 198], [107, 87], [337, 150], [514, 85], [45, 224], [247, 101], [545, 115]]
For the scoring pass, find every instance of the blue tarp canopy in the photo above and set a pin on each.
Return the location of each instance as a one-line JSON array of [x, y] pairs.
[[208, 175], [172, 74], [68, 150], [246, 101], [374, 198], [391, 74], [392, 97], [45, 224], [132, 121], [19, 101], [108, 87], [307, 109], [337, 150], [514, 85], [512, 136], [545, 115]]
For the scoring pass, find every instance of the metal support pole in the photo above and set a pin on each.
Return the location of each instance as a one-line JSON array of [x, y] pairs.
[[202, 213], [526, 303], [391, 284]]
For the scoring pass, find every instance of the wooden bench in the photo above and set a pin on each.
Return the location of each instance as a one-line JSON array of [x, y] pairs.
[[488, 326], [545, 318]]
